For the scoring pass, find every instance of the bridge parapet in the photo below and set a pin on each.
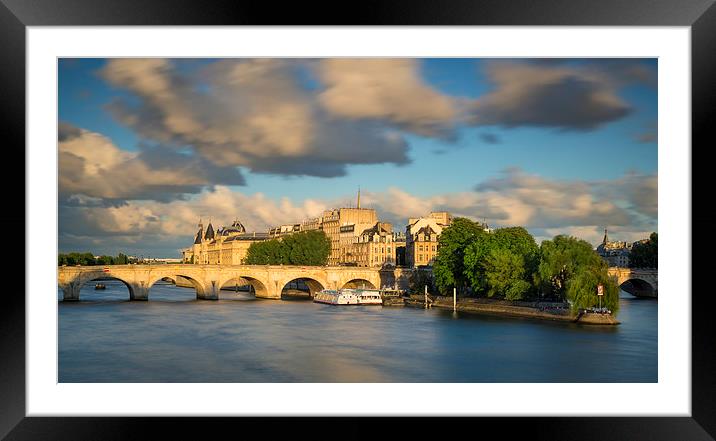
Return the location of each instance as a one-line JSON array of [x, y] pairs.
[[268, 280]]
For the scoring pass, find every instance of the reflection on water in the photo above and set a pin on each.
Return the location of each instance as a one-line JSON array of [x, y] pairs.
[[175, 338]]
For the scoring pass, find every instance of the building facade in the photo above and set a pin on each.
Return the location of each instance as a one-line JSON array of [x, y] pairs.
[[374, 247], [421, 238], [227, 245], [356, 235], [614, 253], [342, 225]]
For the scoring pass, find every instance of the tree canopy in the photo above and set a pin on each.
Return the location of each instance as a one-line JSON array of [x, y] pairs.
[[645, 254], [89, 259], [570, 270], [449, 265], [502, 263], [304, 248]]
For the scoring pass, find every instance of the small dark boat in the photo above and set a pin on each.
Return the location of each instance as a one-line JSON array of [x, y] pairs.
[[100, 286]]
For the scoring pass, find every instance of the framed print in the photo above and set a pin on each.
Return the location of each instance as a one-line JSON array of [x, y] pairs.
[[457, 217]]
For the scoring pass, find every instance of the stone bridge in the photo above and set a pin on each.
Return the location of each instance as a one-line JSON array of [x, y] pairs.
[[641, 282], [267, 280]]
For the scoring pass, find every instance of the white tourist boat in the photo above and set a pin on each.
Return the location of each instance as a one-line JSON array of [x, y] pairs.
[[349, 297], [336, 297], [369, 296]]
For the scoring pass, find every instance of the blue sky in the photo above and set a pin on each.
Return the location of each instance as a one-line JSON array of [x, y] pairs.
[[153, 143]]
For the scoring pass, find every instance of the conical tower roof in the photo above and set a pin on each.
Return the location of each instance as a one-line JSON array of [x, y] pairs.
[[209, 232]]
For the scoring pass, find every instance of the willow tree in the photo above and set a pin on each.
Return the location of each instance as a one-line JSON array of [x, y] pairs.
[[570, 270]]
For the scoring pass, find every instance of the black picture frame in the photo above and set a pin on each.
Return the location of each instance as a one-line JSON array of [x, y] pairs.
[[700, 15]]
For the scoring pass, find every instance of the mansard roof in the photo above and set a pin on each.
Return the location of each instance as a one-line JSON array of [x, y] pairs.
[[426, 230], [248, 236], [236, 225]]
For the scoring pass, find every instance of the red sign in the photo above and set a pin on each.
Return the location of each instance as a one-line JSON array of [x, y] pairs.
[[105, 269], [600, 290]]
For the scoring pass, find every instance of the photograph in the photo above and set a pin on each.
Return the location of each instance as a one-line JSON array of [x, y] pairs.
[[358, 220]]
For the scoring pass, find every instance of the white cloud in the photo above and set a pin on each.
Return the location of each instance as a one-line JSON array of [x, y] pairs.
[[385, 88], [91, 168], [546, 207], [251, 113]]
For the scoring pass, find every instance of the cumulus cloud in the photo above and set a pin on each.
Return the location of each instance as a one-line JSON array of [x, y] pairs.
[[251, 113], [638, 190], [519, 198], [159, 225], [540, 204], [627, 206], [262, 114], [92, 168], [595, 233], [317, 117], [549, 95], [388, 89]]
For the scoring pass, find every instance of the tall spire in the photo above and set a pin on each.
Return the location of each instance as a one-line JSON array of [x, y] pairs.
[[606, 238], [200, 233], [358, 197]]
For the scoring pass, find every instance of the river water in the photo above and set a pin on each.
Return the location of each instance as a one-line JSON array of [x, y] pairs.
[[175, 338]]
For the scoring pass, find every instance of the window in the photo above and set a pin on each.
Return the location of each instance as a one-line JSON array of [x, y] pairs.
[[433, 247], [421, 248]]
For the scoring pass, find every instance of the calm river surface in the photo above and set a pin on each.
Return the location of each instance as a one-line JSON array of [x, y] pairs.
[[175, 338]]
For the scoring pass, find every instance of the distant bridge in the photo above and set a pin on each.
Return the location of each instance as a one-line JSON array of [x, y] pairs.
[[641, 282], [267, 280]]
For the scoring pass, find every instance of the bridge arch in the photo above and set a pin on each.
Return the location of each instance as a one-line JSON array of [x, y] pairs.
[[359, 283], [638, 287], [259, 287], [71, 290], [196, 284], [313, 284]]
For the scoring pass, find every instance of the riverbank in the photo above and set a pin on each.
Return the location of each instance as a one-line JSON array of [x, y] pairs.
[[536, 310]]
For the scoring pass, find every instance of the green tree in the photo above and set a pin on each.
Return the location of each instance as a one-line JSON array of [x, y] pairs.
[[419, 279], [308, 248], [645, 254], [269, 252], [104, 260], [570, 270], [75, 258], [502, 263], [505, 274], [449, 266], [304, 248]]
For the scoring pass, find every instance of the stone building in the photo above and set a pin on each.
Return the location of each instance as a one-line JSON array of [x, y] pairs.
[[227, 245], [615, 253], [282, 230], [374, 246], [421, 238], [357, 238], [342, 225]]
